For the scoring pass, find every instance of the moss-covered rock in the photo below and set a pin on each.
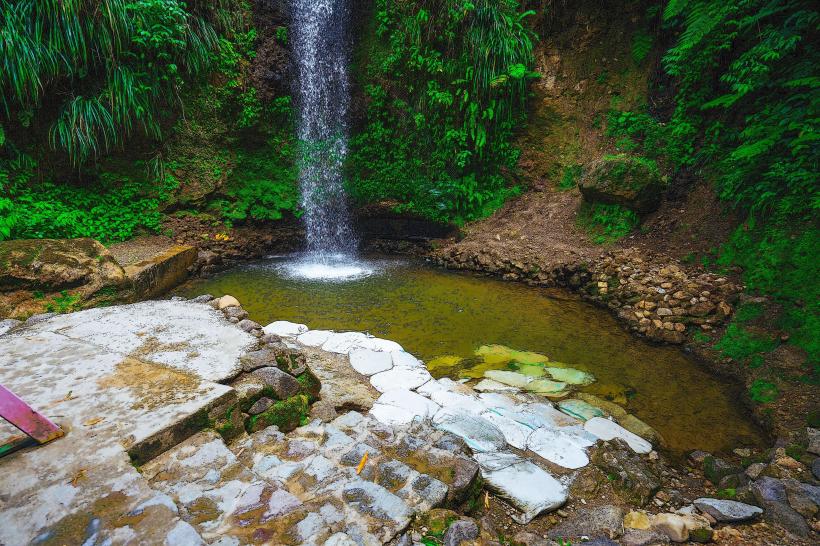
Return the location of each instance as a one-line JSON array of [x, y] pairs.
[[286, 414], [632, 182], [58, 275], [310, 385]]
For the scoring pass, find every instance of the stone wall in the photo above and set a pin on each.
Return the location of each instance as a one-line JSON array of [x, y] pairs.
[[655, 296]]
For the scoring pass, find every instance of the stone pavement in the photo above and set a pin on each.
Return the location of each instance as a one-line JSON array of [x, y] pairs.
[[144, 380]]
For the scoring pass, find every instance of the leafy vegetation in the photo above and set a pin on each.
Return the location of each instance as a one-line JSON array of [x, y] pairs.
[[130, 61], [446, 84], [747, 118], [114, 64], [607, 223]]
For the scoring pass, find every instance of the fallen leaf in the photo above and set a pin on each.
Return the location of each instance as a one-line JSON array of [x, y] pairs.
[[362, 463], [94, 421], [77, 477], [486, 499]]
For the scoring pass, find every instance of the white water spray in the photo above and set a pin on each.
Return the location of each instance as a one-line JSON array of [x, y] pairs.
[[323, 96]]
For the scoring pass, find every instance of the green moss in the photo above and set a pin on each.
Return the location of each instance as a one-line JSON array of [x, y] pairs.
[[285, 414], [310, 385]]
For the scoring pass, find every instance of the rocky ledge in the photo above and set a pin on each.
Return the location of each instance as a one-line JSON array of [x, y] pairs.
[[655, 296], [243, 434]]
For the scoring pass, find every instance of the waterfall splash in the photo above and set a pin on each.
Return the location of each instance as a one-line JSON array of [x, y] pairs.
[[320, 47]]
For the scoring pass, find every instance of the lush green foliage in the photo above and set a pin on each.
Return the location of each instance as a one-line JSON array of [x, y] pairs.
[[228, 142], [607, 223], [250, 152], [114, 63], [445, 82], [111, 208], [747, 117]]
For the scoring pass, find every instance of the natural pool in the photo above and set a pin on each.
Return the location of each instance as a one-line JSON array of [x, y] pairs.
[[434, 313]]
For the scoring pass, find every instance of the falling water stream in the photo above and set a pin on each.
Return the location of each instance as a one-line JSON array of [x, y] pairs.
[[323, 96]]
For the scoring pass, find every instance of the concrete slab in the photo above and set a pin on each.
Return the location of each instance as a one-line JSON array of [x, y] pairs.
[[98, 375], [190, 337]]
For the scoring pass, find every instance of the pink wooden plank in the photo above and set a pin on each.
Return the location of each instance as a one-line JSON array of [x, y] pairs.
[[22, 416]]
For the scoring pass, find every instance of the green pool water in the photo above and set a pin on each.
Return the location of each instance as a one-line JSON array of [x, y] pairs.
[[433, 312]]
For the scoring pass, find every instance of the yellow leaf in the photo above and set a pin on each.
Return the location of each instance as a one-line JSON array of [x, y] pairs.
[[361, 464], [78, 476], [94, 421]]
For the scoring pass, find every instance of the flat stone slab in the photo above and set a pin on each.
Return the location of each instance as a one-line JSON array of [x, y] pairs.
[[400, 378], [727, 510], [608, 430], [528, 487], [368, 362], [116, 379], [190, 337]]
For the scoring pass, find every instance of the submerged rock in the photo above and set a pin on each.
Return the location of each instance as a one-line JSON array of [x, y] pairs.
[[513, 379], [571, 376], [526, 486], [546, 387], [490, 385], [500, 354], [580, 409]]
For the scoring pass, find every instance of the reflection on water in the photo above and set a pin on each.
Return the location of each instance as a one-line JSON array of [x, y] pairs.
[[435, 313]]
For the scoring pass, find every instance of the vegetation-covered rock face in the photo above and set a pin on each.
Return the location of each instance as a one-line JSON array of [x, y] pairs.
[[57, 276], [634, 183]]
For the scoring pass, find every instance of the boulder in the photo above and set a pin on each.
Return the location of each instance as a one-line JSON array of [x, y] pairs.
[[630, 182], [602, 521], [282, 385], [49, 274], [227, 301], [632, 476]]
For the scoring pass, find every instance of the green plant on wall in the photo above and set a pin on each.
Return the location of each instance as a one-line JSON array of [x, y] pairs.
[[115, 64], [747, 118], [445, 85]]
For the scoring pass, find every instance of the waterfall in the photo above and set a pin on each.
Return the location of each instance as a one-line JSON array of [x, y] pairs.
[[321, 51]]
